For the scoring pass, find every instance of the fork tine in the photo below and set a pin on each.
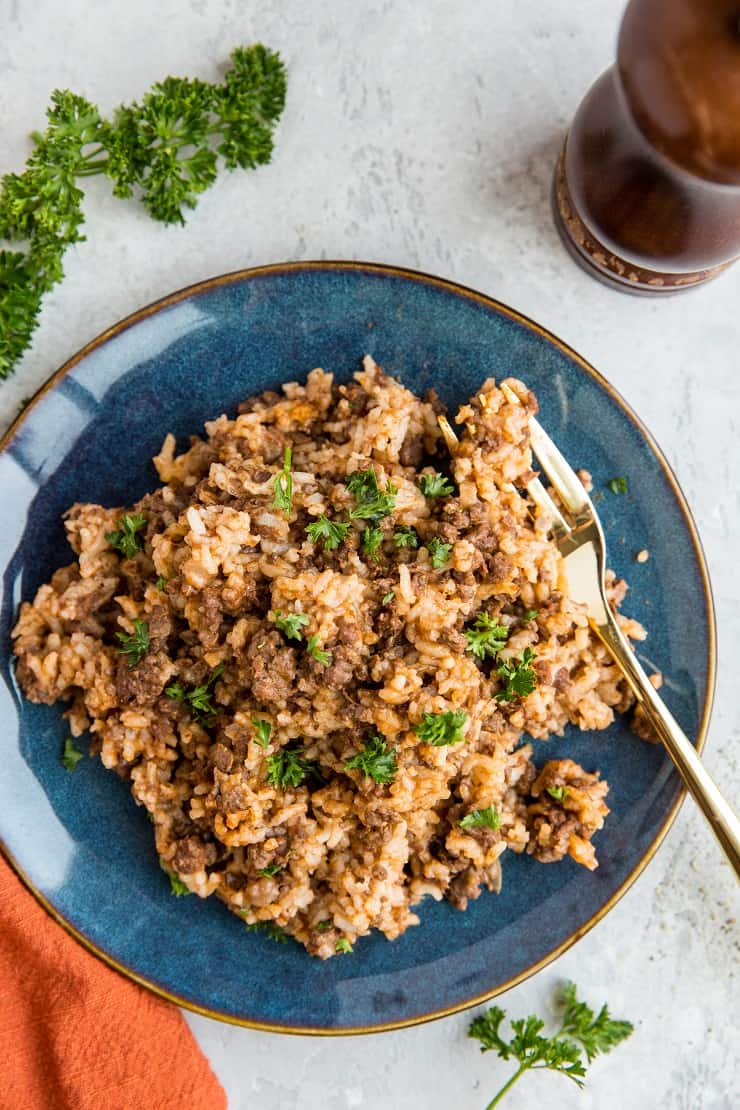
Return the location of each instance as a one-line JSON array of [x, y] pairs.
[[563, 478], [541, 498]]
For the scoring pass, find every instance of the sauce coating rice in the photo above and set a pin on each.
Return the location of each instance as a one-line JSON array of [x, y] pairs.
[[314, 651]]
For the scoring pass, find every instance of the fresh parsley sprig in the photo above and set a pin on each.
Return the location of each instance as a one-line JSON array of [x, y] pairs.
[[329, 532], [262, 730], [291, 624], [372, 538], [126, 538], [177, 886], [435, 485], [518, 677], [486, 818], [315, 650], [376, 760], [71, 755], [486, 636], [270, 930], [198, 699], [440, 729], [405, 537], [282, 484], [581, 1031], [136, 645], [371, 503], [439, 552], [164, 148], [287, 769]]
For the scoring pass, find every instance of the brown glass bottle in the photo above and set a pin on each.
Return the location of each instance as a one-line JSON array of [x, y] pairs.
[[647, 190]]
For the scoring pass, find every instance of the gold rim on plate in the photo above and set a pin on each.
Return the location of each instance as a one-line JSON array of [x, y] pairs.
[[504, 310]]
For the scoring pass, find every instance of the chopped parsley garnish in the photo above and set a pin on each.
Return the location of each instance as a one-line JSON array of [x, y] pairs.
[[161, 583], [617, 485], [135, 646], [330, 532], [270, 870], [71, 756], [440, 552], [372, 538], [343, 945], [286, 769], [581, 1031], [321, 656], [198, 699], [481, 819], [177, 886], [557, 792], [439, 729], [371, 503], [290, 624], [518, 677], [486, 636], [282, 484], [435, 485], [270, 930], [530, 615], [126, 538], [263, 729], [323, 926], [405, 537], [387, 598], [376, 760]]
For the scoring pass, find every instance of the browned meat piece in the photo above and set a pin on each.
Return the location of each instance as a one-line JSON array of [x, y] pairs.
[[221, 757], [273, 667], [210, 616], [191, 855], [142, 684], [568, 809], [160, 627], [433, 398], [464, 888], [562, 679]]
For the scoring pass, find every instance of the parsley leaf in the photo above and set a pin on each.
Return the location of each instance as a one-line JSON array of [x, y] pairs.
[[282, 484], [323, 926], [387, 598], [486, 636], [557, 792], [580, 1031], [439, 729], [617, 485], [290, 624], [136, 645], [343, 945], [405, 537], [71, 756], [486, 818], [440, 552], [372, 538], [199, 698], [331, 532], [270, 930], [263, 730], [518, 677], [371, 503], [376, 760], [312, 647], [286, 769], [529, 615], [161, 583], [125, 539], [270, 870], [165, 148], [435, 485], [177, 886]]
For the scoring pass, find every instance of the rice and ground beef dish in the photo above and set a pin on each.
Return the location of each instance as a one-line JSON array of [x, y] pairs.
[[315, 648]]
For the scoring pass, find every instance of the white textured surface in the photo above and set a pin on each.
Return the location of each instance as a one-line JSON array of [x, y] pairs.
[[424, 133]]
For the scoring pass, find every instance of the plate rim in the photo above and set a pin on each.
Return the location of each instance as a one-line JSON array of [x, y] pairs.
[[491, 303]]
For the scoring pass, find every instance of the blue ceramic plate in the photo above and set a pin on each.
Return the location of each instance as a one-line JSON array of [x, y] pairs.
[[80, 842]]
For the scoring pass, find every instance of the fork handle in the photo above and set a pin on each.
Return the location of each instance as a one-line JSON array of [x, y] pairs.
[[696, 778]]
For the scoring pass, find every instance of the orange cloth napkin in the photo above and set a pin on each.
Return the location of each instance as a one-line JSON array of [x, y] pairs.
[[75, 1035]]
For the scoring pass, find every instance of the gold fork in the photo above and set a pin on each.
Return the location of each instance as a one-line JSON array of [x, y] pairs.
[[580, 539]]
